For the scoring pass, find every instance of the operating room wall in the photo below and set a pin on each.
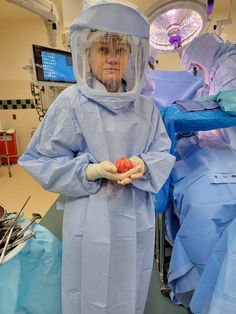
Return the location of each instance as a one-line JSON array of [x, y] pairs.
[[228, 31], [16, 51]]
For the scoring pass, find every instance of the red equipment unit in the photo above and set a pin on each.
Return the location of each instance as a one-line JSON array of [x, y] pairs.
[[8, 137]]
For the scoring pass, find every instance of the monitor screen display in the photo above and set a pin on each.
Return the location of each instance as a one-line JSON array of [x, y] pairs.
[[53, 65]]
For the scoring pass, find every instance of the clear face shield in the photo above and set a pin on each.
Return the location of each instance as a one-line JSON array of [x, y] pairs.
[[195, 69], [110, 62], [198, 71]]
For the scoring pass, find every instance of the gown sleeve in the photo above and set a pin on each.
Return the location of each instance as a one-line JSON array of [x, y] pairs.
[[57, 155], [156, 156]]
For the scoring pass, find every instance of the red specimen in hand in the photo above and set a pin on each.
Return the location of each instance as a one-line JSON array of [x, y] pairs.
[[123, 164]]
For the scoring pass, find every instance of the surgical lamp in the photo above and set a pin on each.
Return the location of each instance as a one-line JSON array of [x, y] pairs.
[[175, 23]]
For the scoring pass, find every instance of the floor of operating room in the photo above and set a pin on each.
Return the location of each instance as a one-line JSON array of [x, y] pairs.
[[14, 192]]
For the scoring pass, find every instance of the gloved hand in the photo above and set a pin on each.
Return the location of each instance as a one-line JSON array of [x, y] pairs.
[[105, 169], [136, 172]]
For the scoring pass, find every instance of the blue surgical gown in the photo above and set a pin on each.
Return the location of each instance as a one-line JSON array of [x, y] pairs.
[[108, 229], [204, 193], [216, 292]]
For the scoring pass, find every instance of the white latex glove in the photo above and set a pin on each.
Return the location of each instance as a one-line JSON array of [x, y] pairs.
[[105, 169], [136, 172]]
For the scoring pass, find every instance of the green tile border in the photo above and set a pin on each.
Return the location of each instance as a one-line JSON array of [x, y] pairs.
[[6, 104]]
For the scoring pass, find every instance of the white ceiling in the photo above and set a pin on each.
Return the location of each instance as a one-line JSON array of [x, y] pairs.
[[12, 12]]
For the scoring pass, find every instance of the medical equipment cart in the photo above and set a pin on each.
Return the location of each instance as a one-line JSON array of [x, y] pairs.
[[9, 152]]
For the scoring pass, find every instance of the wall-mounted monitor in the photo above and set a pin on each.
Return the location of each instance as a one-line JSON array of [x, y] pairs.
[[53, 66]]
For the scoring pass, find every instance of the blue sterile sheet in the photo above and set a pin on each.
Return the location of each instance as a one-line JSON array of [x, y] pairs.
[[172, 85], [177, 121], [30, 282]]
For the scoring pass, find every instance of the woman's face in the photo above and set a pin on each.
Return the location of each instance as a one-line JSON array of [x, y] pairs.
[[108, 59]]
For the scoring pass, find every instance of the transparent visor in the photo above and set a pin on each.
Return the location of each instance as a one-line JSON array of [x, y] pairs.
[[197, 71], [110, 62], [196, 67]]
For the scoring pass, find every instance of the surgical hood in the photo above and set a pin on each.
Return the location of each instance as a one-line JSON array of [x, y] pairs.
[[106, 16], [110, 57]]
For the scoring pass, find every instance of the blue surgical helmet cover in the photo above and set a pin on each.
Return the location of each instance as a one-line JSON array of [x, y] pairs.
[[107, 17]]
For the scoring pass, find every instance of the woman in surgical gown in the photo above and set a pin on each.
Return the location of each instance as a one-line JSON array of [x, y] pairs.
[[108, 226]]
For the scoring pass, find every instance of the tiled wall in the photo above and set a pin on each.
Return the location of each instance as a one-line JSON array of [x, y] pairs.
[[16, 104]]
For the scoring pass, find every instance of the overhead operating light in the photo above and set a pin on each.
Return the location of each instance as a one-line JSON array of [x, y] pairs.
[[175, 23]]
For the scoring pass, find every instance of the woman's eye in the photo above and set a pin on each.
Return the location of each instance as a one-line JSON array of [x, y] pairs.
[[121, 51], [103, 50]]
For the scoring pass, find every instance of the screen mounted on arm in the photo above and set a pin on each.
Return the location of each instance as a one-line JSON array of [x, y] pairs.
[[53, 66]]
